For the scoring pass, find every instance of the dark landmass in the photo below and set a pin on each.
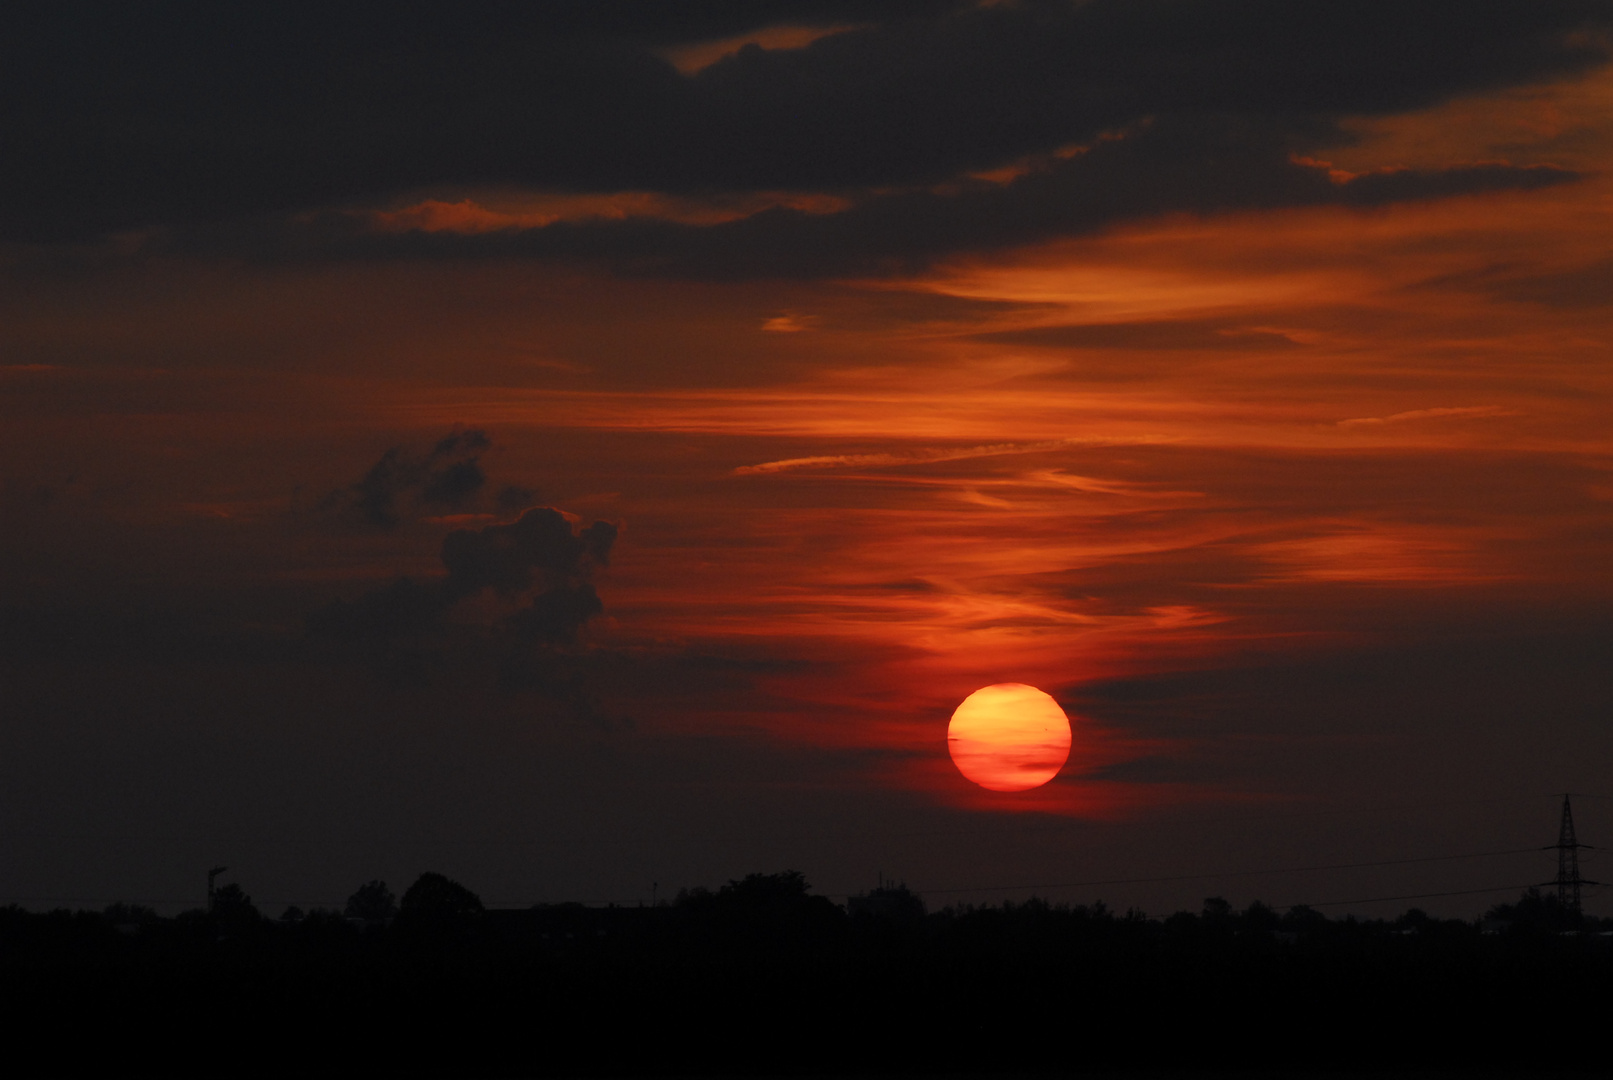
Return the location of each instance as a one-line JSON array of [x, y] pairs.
[[763, 978]]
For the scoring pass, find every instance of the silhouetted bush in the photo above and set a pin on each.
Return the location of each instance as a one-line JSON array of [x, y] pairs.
[[373, 903]]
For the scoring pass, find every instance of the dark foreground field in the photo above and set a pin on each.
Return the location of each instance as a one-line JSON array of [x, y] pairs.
[[761, 978]]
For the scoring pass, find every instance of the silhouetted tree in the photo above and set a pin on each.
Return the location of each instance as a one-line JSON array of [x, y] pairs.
[[324, 925], [438, 902], [129, 917], [232, 912], [762, 912], [767, 890], [1536, 912], [1302, 918], [894, 902], [1258, 916], [373, 902]]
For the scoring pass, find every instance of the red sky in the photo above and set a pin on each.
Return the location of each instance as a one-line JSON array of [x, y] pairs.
[[1303, 513]]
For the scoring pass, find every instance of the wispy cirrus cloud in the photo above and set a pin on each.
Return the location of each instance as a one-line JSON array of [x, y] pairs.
[[913, 457], [1466, 412]]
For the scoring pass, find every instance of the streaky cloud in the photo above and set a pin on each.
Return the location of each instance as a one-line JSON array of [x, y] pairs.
[[916, 457]]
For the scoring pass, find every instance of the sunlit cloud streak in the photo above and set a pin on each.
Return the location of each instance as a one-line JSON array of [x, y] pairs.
[[917, 457], [1464, 412]]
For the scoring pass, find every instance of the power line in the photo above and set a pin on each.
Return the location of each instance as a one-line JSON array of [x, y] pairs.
[[1412, 896], [1385, 808], [1236, 873]]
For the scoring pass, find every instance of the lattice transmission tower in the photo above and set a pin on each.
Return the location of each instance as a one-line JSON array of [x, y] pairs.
[[1568, 879]]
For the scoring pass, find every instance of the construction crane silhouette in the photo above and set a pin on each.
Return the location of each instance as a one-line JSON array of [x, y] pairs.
[[1568, 880]]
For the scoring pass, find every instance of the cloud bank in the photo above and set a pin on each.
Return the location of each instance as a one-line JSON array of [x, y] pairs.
[[286, 128]]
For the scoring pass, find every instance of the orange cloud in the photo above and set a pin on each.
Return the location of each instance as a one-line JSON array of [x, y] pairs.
[[694, 58], [790, 324], [501, 211], [1470, 412]]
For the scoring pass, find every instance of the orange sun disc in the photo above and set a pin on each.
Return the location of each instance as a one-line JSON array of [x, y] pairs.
[[1009, 737]]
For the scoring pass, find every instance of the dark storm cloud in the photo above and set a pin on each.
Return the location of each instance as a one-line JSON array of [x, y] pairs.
[[1180, 164], [122, 116], [539, 548], [557, 613], [540, 555], [512, 497], [403, 632], [540, 551], [449, 475]]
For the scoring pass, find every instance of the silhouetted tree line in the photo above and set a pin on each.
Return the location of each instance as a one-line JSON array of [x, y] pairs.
[[762, 977]]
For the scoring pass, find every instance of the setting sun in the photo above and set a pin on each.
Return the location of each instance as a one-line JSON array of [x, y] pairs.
[[1009, 737]]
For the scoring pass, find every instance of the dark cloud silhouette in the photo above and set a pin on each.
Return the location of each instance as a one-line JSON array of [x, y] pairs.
[[541, 553], [540, 548], [512, 497], [556, 614], [1172, 164], [455, 484], [450, 474], [541, 557], [680, 21], [120, 117]]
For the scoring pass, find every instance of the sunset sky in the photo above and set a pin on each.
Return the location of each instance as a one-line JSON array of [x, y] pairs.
[[1238, 373]]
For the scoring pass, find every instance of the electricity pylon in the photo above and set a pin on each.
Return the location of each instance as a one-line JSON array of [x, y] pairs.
[[1568, 879]]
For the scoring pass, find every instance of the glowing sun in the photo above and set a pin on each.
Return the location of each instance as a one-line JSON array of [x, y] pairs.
[[1009, 737]]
